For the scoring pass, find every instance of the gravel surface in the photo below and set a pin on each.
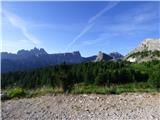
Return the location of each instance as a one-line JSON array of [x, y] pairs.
[[127, 106]]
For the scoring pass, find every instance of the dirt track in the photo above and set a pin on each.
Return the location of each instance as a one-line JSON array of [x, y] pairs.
[[131, 106]]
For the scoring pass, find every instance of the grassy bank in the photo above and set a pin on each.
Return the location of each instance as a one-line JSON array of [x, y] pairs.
[[117, 89], [17, 92]]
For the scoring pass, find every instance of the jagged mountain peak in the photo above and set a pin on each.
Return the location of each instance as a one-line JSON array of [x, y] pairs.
[[116, 55], [35, 51], [76, 53], [102, 56]]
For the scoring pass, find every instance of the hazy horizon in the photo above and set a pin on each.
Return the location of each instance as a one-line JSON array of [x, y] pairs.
[[88, 27]]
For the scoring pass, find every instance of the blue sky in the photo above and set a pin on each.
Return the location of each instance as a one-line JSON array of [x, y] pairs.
[[85, 26]]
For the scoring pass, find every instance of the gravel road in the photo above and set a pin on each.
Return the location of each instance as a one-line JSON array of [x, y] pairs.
[[126, 106]]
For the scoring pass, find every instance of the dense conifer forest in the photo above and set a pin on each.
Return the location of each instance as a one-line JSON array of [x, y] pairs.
[[93, 73]]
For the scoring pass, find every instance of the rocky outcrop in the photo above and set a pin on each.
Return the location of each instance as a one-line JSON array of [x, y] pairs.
[[149, 45], [148, 50]]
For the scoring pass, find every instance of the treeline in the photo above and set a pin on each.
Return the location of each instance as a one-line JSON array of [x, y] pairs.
[[100, 73]]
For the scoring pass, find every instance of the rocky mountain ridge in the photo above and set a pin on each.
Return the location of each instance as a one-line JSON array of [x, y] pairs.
[[148, 50], [148, 45], [116, 55], [34, 58], [103, 57]]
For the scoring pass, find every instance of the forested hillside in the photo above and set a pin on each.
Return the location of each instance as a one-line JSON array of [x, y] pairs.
[[102, 74]]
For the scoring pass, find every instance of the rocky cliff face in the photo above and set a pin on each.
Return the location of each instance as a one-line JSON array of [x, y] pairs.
[[32, 52], [23, 54], [73, 57], [34, 58], [149, 45], [148, 50]]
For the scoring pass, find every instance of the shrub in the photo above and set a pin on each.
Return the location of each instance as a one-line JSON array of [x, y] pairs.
[[15, 92], [155, 79], [101, 79]]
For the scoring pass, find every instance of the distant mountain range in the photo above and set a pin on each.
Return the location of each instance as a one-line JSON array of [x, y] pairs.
[[34, 58], [148, 50]]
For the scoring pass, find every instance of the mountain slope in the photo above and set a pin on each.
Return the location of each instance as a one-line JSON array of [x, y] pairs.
[[148, 50], [90, 59]]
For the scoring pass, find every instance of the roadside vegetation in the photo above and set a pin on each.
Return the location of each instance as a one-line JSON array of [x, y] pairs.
[[93, 77]]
